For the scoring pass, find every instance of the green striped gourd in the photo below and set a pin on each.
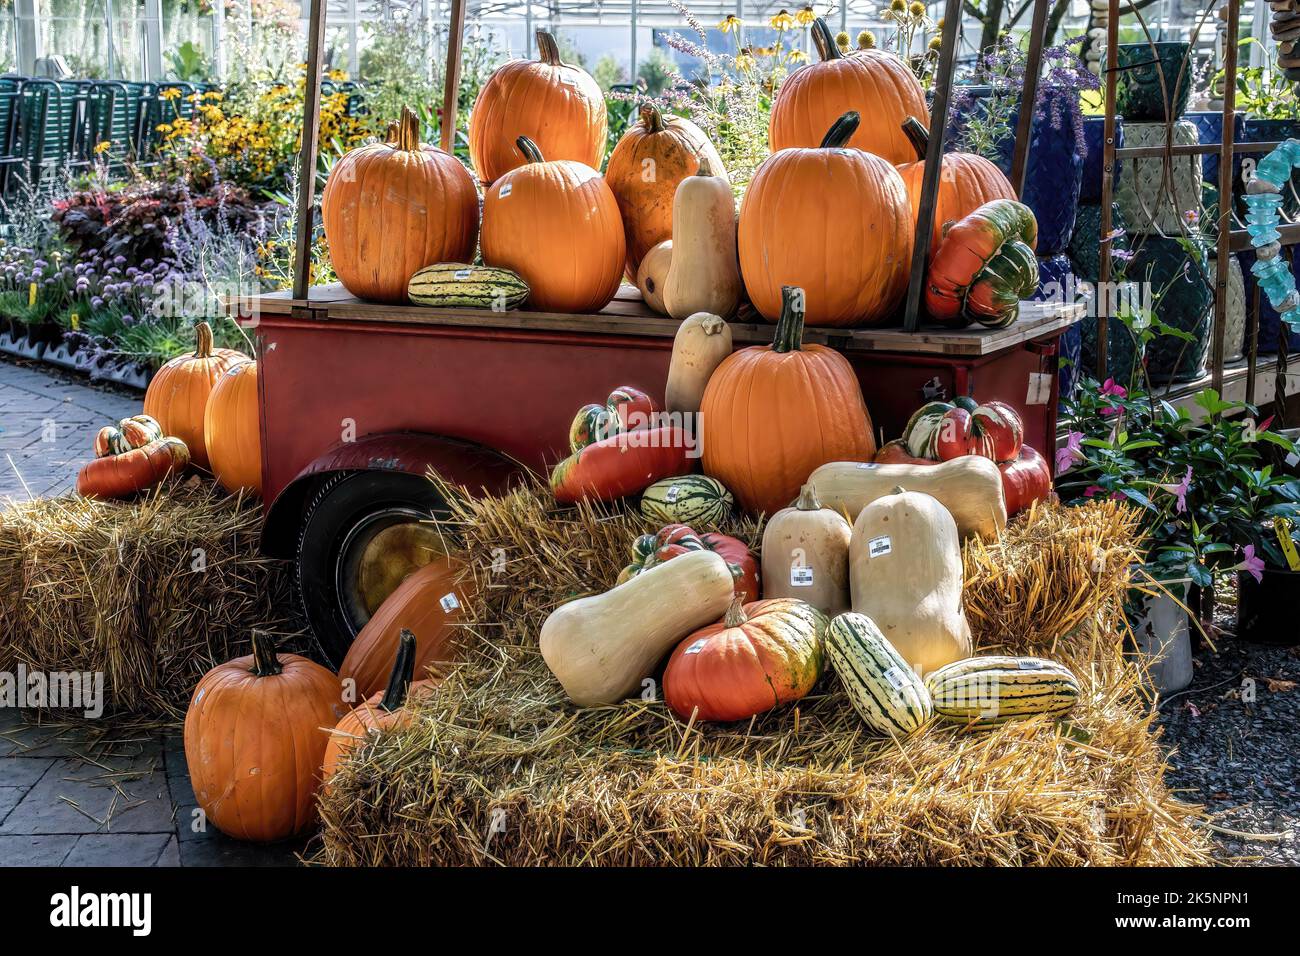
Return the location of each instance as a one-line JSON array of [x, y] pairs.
[[689, 499], [134, 432], [887, 694], [451, 285], [983, 692]]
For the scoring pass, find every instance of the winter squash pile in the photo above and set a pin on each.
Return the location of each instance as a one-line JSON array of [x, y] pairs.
[[130, 457]]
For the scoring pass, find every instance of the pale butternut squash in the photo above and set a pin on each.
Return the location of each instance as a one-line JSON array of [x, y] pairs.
[[652, 273], [702, 341], [905, 573], [704, 273], [806, 555], [600, 648], [970, 488]]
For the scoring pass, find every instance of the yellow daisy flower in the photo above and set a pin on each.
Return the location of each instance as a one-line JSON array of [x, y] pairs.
[[731, 24], [806, 16], [783, 21]]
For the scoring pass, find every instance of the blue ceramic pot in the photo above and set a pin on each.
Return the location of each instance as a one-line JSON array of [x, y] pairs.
[[1270, 323], [1055, 281], [1094, 157], [1265, 131], [1140, 95], [1209, 124]]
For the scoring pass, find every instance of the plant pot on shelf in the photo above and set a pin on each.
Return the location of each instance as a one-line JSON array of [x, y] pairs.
[[1151, 201], [1266, 609], [1148, 74], [1265, 131], [1085, 243], [1094, 157], [1056, 281], [1270, 322], [1163, 640], [1209, 126], [1234, 333]]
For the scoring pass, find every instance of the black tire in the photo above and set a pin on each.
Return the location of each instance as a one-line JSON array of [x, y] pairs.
[[342, 519]]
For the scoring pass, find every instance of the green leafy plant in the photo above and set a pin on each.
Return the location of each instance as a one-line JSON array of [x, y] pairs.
[[1262, 91], [188, 63]]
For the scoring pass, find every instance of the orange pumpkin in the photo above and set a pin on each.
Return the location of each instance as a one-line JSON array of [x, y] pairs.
[[430, 603], [653, 157], [833, 221], [392, 208], [255, 736], [557, 106], [966, 182], [178, 393], [874, 83], [232, 430], [771, 414], [556, 224], [123, 474]]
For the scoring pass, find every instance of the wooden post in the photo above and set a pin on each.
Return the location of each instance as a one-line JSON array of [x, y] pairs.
[[1107, 184], [933, 161], [1225, 192], [451, 89], [1028, 96], [307, 155]]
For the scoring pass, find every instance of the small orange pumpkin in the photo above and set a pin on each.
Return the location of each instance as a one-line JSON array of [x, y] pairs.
[[392, 208], [557, 225], [178, 393], [120, 475], [232, 430]]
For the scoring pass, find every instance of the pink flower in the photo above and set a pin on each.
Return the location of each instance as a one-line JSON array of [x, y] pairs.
[[1180, 490], [1068, 455], [1110, 388], [1252, 564], [1091, 491]]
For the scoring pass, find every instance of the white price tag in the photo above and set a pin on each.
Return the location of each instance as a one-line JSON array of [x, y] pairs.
[[697, 646], [801, 576], [879, 547], [462, 274], [505, 190], [867, 465], [1027, 664], [897, 679], [670, 495], [449, 602], [1040, 388]]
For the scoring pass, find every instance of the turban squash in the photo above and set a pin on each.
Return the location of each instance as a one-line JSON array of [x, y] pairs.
[[984, 267], [834, 221], [125, 473], [392, 208], [773, 413], [557, 106], [556, 223], [874, 83]]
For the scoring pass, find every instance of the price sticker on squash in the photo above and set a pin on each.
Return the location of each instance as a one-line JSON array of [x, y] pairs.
[[880, 546], [801, 576], [449, 602]]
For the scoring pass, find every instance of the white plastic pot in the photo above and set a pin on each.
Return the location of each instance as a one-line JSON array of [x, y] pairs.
[[1163, 641]]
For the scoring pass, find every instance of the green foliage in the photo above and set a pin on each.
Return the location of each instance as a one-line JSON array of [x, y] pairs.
[[1262, 91], [189, 64]]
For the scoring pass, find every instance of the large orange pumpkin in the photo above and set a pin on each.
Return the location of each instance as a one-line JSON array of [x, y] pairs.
[[255, 736], [874, 83], [178, 392], [232, 430], [653, 157], [556, 224], [833, 221], [771, 414], [966, 182], [557, 106], [392, 208], [429, 603]]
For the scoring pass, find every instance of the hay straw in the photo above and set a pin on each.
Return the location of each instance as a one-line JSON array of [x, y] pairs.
[[151, 592], [498, 768]]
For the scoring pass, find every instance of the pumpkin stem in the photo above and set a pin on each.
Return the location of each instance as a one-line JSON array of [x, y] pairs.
[[841, 130], [399, 681], [203, 341], [789, 327], [918, 135], [408, 131], [652, 118], [898, 490], [712, 324], [265, 661], [808, 500], [390, 135], [824, 40], [736, 613], [530, 150], [548, 51]]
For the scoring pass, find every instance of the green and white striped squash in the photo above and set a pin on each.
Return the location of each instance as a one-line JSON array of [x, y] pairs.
[[887, 694], [690, 499], [451, 285], [983, 692]]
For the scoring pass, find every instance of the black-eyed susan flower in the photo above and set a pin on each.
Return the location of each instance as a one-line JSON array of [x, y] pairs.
[[806, 15], [783, 21], [731, 24]]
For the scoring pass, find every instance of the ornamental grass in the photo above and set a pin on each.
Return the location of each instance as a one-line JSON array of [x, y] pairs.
[[498, 768], [151, 592]]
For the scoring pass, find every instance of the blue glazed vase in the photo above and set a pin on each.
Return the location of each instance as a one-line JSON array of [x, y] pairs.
[[1270, 323], [1094, 157], [1209, 124], [1140, 95], [1056, 281], [1265, 131]]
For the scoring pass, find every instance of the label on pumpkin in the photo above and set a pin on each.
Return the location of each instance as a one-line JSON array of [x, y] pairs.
[[697, 646], [506, 190], [449, 602], [670, 495], [801, 576], [1040, 388], [867, 465], [879, 547], [1025, 664], [462, 274], [897, 677]]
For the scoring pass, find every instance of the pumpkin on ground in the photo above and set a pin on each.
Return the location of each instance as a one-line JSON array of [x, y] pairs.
[[806, 554], [760, 656], [966, 182], [703, 272], [123, 474], [984, 267], [232, 430], [983, 692], [255, 737], [832, 220], [431, 603], [674, 540], [178, 392], [556, 105], [556, 224], [655, 154], [392, 208], [771, 414], [874, 83], [888, 695], [702, 341]]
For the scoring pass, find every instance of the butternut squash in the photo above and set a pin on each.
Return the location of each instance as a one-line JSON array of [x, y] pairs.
[[806, 555], [702, 341], [970, 488], [905, 573], [600, 648], [652, 273], [704, 273]]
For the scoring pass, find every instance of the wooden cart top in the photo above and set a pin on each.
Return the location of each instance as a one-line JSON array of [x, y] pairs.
[[629, 315]]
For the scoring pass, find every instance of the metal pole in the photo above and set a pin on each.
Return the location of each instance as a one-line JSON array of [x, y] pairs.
[[1107, 182], [1225, 191], [451, 89], [307, 156], [933, 161], [1028, 96], [219, 40], [108, 29], [632, 13]]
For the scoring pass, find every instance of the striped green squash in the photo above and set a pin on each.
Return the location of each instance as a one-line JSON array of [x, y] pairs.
[[885, 691], [458, 285], [695, 500], [983, 692]]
